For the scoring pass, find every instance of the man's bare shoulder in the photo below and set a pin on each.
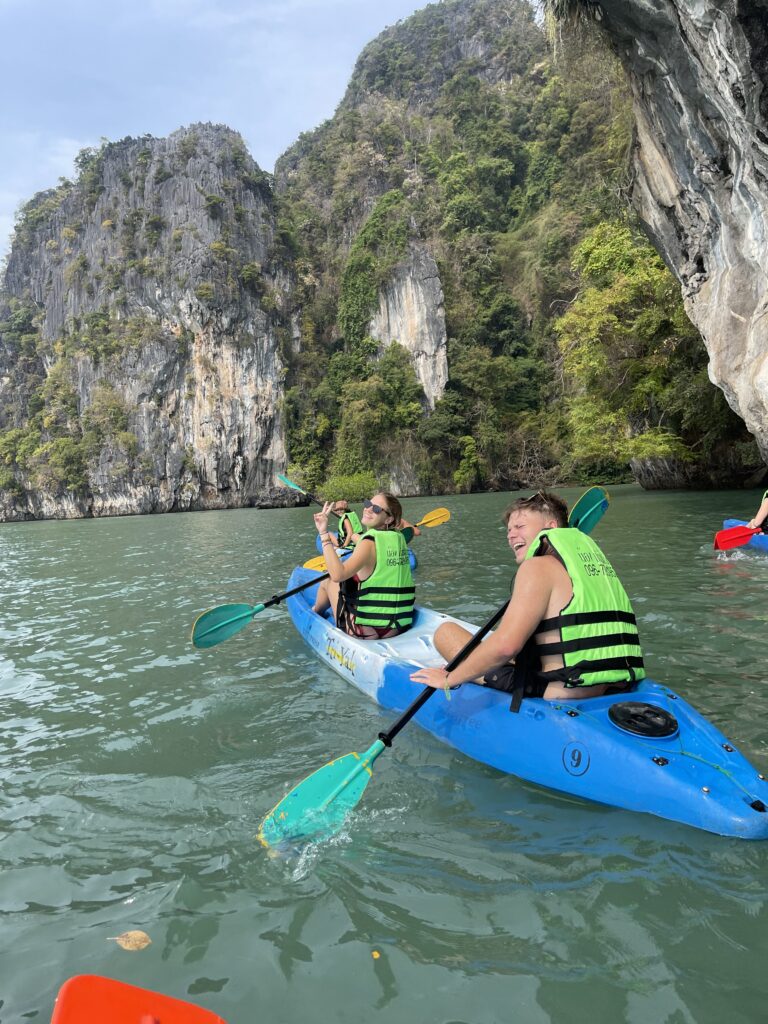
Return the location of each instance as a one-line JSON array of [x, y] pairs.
[[543, 567]]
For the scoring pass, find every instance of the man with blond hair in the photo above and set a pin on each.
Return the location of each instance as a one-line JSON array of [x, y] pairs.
[[568, 632]]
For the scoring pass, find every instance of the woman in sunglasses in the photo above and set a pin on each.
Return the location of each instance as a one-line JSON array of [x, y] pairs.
[[569, 631], [371, 594], [351, 529]]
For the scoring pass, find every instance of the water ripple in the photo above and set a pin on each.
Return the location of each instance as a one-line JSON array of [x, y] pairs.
[[136, 770]]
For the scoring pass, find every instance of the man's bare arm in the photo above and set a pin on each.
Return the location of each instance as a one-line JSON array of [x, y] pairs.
[[527, 607]]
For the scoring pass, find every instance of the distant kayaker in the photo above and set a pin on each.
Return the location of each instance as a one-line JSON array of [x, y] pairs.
[[351, 529], [349, 523], [371, 593], [569, 631], [760, 516]]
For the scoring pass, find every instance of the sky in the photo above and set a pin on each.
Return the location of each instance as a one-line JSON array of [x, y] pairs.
[[73, 72]]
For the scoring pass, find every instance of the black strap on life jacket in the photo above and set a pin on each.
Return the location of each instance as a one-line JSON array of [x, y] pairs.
[[526, 681], [587, 643], [530, 681], [571, 675], [583, 619], [344, 604]]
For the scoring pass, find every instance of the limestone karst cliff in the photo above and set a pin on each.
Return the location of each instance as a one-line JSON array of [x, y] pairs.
[[699, 75], [411, 313], [139, 362], [396, 204], [440, 288]]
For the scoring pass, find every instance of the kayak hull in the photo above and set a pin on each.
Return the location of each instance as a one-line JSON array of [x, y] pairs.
[[345, 551], [92, 999], [760, 540], [694, 776]]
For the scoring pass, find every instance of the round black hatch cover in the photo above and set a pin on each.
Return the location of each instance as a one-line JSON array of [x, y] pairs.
[[642, 719]]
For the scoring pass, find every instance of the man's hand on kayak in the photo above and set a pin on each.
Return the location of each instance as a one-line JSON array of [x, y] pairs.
[[435, 677]]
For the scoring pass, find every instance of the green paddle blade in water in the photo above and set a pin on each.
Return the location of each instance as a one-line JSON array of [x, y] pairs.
[[317, 807], [221, 623]]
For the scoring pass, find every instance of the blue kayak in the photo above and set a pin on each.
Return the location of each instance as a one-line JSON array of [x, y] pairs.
[[345, 551], [759, 541], [647, 750]]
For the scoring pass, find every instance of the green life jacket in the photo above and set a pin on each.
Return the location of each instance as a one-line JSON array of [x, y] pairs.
[[386, 598], [599, 642], [354, 522]]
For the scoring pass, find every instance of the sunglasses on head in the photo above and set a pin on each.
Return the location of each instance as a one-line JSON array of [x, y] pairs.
[[376, 509], [538, 496], [538, 502]]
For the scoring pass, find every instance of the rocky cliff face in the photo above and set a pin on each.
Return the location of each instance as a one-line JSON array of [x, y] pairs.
[[411, 312], [169, 323], [139, 364], [699, 73], [397, 203]]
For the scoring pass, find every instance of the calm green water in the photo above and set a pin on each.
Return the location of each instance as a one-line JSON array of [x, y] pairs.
[[135, 772]]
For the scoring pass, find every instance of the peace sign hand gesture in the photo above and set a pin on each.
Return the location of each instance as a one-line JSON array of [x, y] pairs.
[[321, 518]]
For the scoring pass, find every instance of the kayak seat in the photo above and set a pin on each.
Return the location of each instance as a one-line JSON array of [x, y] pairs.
[[382, 647]]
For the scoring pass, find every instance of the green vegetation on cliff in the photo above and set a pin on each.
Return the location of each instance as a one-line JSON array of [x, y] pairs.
[[460, 139], [569, 352]]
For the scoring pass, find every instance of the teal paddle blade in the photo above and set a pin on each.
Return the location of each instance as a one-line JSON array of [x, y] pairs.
[[289, 483], [319, 805], [218, 624], [589, 509]]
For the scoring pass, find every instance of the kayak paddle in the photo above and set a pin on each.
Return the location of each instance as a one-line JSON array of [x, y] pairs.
[[222, 622], [435, 518], [317, 564], [589, 509], [735, 537], [295, 487], [320, 803]]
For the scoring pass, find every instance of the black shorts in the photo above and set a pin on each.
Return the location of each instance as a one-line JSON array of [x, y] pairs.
[[502, 678]]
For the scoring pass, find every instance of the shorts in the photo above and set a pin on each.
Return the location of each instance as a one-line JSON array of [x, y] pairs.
[[370, 632], [502, 678]]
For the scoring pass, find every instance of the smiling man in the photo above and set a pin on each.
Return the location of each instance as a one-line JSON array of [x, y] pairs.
[[569, 631]]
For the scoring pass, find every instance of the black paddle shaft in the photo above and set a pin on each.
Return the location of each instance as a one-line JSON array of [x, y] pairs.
[[387, 737], [296, 590], [314, 497]]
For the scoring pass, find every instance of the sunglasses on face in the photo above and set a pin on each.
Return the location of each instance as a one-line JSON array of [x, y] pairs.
[[376, 509]]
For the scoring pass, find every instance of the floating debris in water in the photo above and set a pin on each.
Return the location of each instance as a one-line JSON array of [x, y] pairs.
[[132, 940]]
